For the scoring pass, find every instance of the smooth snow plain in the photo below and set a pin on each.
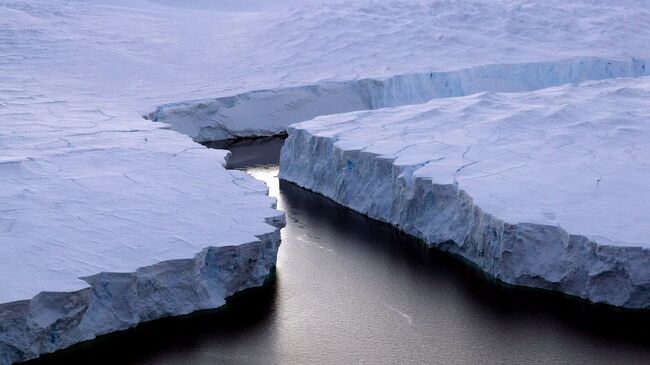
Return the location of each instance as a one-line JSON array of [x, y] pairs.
[[546, 189], [89, 188]]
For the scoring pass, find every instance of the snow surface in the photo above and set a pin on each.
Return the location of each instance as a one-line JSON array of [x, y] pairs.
[[79, 167], [328, 58], [108, 220], [87, 186], [88, 200], [557, 178]]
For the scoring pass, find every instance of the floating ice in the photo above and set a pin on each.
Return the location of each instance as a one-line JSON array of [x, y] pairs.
[[546, 189]]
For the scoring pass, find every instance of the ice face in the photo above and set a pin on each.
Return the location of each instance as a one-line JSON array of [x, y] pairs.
[[269, 112], [94, 211], [543, 189], [339, 58], [107, 220]]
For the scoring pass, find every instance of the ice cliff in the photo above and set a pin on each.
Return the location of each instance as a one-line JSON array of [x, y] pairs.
[[107, 220], [270, 112], [102, 228], [545, 189]]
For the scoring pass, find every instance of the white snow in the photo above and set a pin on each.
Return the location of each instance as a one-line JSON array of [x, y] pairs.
[[90, 200], [329, 58], [78, 164], [108, 220], [556, 177], [89, 188]]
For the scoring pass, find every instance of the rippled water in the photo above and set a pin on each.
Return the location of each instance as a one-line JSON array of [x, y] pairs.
[[351, 290]]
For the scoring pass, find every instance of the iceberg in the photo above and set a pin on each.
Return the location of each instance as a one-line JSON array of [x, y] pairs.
[[104, 229], [108, 220], [270, 112], [544, 189], [339, 57]]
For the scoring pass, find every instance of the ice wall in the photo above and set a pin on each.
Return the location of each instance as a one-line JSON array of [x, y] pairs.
[[269, 112], [108, 222], [544, 189]]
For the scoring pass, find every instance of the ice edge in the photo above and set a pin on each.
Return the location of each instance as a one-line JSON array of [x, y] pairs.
[[445, 217], [116, 301], [269, 112]]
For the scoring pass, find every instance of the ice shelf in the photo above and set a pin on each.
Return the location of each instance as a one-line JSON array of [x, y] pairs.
[[545, 189], [102, 228], [107, 219], [334, 58]]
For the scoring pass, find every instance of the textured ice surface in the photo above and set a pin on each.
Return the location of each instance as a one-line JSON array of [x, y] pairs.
[[108, 220], [269, 112], [104, 225], [545, 189], [81, 201], [327, 59]]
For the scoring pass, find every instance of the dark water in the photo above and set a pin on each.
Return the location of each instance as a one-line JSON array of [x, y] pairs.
[[351, 290]]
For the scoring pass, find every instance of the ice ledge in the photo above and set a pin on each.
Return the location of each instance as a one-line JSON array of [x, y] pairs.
[[382, 164], [117, 301], [269, 112], [532, 255], [104, 227]]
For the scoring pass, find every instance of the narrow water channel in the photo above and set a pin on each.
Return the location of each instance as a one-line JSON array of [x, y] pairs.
[[351, 290]]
